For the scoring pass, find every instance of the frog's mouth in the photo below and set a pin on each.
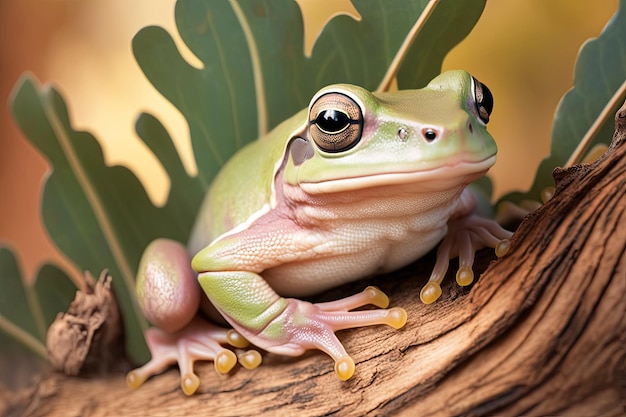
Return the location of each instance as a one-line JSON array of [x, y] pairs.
[[440, 178]]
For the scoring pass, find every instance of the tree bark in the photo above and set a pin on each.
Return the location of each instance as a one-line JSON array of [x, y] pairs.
[[542, 332]]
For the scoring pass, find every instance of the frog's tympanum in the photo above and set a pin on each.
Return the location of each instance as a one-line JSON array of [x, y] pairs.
[[357, 184]]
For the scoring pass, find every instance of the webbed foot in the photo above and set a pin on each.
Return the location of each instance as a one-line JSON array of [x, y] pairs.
[[465, 236], [200, 340]]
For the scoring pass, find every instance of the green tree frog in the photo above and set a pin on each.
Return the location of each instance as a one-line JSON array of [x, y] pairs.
[[357, 184]]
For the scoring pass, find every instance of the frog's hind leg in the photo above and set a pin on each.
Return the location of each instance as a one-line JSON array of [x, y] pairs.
[[169, 296], [288, 326], [313, 326]]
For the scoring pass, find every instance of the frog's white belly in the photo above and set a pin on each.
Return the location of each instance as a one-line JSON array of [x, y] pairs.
[[375, 238]]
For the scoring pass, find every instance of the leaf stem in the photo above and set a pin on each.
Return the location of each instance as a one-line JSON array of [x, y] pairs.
[[24, 337], [257, 70], [392, 71], [606, 112]]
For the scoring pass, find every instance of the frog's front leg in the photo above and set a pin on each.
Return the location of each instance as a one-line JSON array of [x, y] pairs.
[[289, 326], [467, 233], [169, 296]]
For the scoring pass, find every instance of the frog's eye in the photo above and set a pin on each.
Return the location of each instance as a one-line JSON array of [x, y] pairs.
[[335, 122], [483, 100]]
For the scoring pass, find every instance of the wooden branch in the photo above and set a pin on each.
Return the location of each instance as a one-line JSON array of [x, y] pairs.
[[542, 332]]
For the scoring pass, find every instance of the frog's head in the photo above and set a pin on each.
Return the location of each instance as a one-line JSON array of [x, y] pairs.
[[354, 139]]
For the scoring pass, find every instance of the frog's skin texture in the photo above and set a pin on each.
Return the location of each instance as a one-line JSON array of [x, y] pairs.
[[357, 184]]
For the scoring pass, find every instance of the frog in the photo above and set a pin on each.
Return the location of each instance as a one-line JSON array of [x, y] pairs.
[[357, 184]]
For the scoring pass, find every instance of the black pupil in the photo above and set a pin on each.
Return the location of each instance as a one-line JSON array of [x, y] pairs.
[[332, 121], [487, 99], [430, 135]]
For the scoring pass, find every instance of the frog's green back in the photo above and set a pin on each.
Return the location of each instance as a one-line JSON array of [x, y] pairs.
[[243, 185]]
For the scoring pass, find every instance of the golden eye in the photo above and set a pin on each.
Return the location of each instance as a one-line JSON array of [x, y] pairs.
[[335, 122]]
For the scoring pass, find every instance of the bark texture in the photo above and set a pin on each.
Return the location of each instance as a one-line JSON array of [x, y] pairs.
[[542, 332]]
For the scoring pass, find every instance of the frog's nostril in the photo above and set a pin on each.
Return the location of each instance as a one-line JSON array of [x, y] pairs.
[[470, 127], [403, 134]]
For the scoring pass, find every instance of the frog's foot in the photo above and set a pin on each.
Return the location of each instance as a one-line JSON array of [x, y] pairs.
[[200, 340], [303, 326], [465, 236]]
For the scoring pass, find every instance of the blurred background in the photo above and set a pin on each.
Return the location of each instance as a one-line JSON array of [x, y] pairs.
[[524, 50]]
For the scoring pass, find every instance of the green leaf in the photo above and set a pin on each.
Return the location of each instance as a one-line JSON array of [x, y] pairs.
[[54, 291], [26, 310], [450, 23], [600, 71], [14, 302], [101, 216]]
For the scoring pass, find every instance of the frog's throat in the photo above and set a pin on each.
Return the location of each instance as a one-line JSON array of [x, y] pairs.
[[436, 179]]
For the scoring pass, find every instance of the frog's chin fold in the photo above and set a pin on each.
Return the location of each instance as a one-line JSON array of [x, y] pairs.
[[439, 178]]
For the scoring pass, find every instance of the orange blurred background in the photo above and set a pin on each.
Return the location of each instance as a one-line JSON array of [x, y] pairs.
[[524, 50]]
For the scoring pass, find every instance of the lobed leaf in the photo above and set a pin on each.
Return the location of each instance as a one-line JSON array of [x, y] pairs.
[[600, 71], [14, 304], [54, 291], [26, 310], [99, 216], [450, 22]]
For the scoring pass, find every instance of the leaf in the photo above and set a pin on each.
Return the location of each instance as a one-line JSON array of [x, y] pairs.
[[15, 315], [600, 70], [26, 310], [317, 13], [449, 23], [100, 216], [54, 289]]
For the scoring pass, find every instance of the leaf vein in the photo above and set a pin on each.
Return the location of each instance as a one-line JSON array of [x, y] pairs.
[[257, 70]]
